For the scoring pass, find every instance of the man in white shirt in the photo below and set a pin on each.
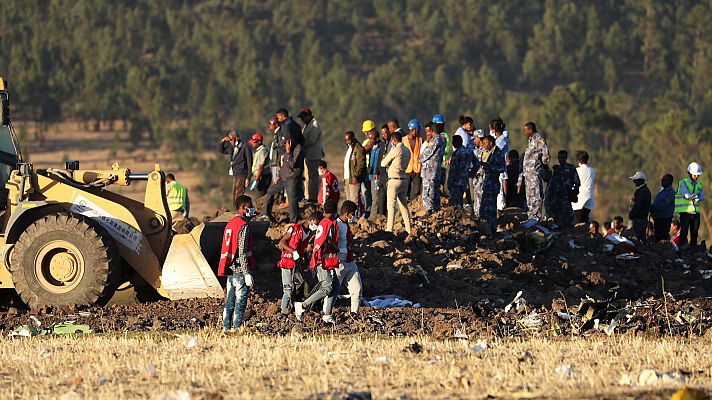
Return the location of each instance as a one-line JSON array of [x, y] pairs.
[[587, 175]]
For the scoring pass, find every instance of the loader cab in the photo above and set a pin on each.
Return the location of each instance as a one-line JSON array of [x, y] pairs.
[[9, 151]]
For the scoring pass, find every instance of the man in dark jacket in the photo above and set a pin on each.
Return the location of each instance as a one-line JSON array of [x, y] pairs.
[[381, 177], [313, 152], [288, 126], [663, 208], [240, 162], [355, 172], [290, 177], [640, 206]]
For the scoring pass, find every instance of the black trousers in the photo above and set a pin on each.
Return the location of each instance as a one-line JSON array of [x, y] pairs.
[[415, 185], [379, 198], [581, 215], [691, 222], [291, 189], [662, 228]]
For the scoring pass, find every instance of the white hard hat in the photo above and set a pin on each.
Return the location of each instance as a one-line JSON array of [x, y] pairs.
[[639, 175], [694, 168]]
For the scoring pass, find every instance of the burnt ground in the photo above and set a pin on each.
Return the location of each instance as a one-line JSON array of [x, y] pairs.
[[571, 282]]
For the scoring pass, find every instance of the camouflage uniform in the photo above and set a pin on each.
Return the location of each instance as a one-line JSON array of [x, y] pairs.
[[476, 182], [557, 203], [457, 178], [492, 163], [535, 156], [431, 156]]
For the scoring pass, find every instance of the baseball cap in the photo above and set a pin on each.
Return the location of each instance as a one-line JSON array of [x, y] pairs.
[[639, 175], [479, 133], [304, 111], [256, 137]]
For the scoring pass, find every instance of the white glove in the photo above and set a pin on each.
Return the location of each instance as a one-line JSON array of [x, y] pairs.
[[295, 255], [249, 281]]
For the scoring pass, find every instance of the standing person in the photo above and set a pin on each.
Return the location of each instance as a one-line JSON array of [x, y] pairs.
[[374, 157], [562, 188], [329, 186], [260, 178], [459, 167], [396, 162], [394, 126], [466, 125], [492, 164], [236, 263], [313, 151], [439, 127], [640, 206], [475, 174], [369, 130], [325, 258], [276, 150], [381, 178], [240, 162], [536, 156], [294, 249], [177, 198], [663, 208], [354, 167], [290, 177], [687, 202], [431, 159], [414, 143], [501, 136], [587, 176], [289, 127], [348, 270], [513, 198]]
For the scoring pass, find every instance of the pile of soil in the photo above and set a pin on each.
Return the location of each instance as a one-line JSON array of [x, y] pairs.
[[570, 282]]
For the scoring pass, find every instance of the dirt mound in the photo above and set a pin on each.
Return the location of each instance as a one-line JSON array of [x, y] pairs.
[[462, 278]]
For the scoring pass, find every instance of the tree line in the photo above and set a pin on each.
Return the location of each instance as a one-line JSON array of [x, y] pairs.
[[627, 80]]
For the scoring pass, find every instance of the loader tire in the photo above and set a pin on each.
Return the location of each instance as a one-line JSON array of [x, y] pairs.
[[62, 260]]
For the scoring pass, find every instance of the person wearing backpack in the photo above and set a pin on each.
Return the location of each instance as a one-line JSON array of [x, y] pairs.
[[294, 244], [325, 259]]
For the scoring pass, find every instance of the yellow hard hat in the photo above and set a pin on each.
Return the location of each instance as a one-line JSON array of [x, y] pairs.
[[687, 393], [368, 126]]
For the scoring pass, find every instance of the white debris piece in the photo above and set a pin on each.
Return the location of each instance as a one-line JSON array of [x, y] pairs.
[[565, 370], [480, 346]]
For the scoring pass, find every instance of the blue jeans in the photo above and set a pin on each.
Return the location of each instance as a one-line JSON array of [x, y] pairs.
[[287, 275], [235, 301]]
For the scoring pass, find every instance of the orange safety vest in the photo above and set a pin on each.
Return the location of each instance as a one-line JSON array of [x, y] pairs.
[[414, 164]]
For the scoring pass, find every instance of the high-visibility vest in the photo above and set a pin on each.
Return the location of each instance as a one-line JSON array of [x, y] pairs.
[[414, 164], [177, 196], [683, 205]]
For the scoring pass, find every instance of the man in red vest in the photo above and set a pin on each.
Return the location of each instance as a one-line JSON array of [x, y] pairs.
[[329, 186], [294, 248], [237, 262], [325, 259]]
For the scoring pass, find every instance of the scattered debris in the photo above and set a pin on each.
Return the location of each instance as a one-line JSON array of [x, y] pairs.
[[381, 360], [388, 301], [414, 348], [480, 346], [566, 371]]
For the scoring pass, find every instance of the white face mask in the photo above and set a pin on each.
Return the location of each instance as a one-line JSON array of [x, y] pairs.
[[250, 212], [352, 219], [491, 132], [321, 173], [312, 227]]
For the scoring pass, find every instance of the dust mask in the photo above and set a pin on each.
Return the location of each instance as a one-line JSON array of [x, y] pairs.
[[312, 227], [250, 212]]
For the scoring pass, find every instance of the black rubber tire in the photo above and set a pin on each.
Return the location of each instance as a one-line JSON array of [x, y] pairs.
[[102, 263]]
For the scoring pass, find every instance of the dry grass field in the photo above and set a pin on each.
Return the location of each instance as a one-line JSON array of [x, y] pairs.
[[211, 366]]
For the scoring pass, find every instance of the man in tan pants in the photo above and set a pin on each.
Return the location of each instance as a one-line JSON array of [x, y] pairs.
[[396, 162]]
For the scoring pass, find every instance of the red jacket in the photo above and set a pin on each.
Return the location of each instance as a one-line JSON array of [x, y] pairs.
[[326, 245], [231, 246], [297, 241], [328, 188]]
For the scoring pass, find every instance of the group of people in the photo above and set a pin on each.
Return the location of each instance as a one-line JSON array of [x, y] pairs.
[[391, 167]]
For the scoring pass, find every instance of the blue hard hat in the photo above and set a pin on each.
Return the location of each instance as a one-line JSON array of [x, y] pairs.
[[438, 119], [414, 124]]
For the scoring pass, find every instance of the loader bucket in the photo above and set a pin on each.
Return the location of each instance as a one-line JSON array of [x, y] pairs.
[[192, 260], [186, 272]]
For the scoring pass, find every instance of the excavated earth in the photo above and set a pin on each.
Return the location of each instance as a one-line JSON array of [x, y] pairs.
[[571, 283]]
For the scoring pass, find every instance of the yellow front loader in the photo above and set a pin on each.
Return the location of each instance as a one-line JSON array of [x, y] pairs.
[[66, 239]]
